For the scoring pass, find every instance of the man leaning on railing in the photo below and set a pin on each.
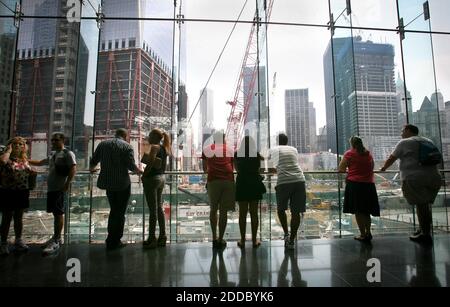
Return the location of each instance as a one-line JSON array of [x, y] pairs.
[[420, 182]]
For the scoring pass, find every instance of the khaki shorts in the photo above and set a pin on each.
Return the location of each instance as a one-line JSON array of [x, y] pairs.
[[424, 191], [221, 195]]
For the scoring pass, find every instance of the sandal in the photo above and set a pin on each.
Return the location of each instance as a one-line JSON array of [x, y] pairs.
[[150, 243], [241, 244], [256, 244], [162, 241], [360, 238]]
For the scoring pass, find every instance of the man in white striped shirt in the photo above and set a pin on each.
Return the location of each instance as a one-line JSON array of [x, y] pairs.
[[116, 158], [290, 187]]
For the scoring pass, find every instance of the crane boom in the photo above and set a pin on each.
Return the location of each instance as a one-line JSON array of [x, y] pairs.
[[243, 97]]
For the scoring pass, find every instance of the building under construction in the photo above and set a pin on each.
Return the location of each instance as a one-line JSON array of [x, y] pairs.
[[50, 87], [134, 87], [134, 91]]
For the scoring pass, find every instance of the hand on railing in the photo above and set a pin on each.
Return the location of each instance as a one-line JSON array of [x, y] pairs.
[[139, 171], [93, 170]]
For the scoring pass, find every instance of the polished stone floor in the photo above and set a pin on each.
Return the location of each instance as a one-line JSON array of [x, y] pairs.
[[314, 263]]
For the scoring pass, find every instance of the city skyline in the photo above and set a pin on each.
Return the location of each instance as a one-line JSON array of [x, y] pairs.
[[300, 121], [295, 65]]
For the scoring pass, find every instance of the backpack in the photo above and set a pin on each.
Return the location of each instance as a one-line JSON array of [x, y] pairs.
[[429, 154], [62, 169]]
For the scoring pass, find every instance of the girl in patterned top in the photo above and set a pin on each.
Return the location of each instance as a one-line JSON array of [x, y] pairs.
[[14, 191]]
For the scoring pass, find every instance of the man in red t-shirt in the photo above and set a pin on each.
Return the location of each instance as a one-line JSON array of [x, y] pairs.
[[218, 164]]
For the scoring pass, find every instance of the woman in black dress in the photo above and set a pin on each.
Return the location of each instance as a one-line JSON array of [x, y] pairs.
[[249, 187]]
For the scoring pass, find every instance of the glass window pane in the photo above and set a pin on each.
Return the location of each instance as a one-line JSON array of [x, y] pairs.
[[8, 33], [220, 9], [138, 8], [412, 13], [300, 11], [46, 82], [441, 44], [439, 12], [374, 13], [50, 8]]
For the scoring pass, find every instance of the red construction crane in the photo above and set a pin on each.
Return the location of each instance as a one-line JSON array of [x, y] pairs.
[[243, 97]]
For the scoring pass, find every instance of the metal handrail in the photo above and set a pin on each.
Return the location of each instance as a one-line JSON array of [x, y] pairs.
[[82, 172]]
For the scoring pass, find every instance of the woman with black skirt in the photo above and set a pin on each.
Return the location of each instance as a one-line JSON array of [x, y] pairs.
[[249, 187], [361, 196]]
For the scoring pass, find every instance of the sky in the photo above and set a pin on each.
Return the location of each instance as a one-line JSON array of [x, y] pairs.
[[295, 53]]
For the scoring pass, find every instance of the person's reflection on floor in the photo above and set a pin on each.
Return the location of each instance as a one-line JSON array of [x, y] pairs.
[[425, 268], [156, 266], [218, 272], [248, 269], [295, 272], [113, 259], [365, 252]]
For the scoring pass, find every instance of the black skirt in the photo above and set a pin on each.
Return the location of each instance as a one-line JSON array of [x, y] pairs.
[[12, 200], [249, 187], [361, 197]]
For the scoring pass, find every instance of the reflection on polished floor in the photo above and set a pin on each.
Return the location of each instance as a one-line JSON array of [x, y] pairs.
[[314, 263]]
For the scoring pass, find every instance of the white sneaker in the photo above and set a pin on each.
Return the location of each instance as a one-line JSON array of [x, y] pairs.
[[52, 247], [4, 250], [46, 243], [20, 246]]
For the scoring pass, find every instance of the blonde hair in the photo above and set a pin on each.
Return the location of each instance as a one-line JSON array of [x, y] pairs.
[[17, 140], [164, 136]]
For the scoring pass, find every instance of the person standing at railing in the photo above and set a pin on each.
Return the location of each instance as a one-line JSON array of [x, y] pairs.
[[420, 183], [61, 171], [14, 191], [155, 158], [249, 187], [116, 158], [361, 196], [218, 164], [290, 188]]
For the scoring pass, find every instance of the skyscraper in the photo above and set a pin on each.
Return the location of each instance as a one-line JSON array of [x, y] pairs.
[[207, 115], [365, 94], [47, 82], [257, 115], [404, 104], [300, 118], [429, 121], [182, 103], [253, 110], [7, 46], [438, 100], [134, 79]]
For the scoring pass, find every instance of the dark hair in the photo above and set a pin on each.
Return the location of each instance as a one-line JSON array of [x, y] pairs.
[[282, 139], [413, 129], [59, 135], [357, 143], [122, 133], [219, 137], [248, 148]]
